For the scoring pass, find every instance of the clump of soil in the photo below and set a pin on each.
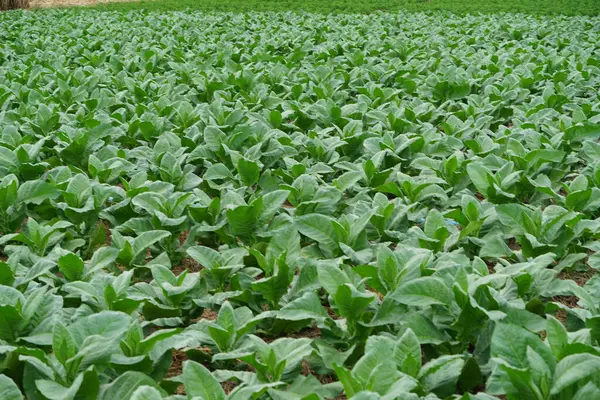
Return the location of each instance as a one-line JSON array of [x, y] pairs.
[[176, 367], [580, 277]]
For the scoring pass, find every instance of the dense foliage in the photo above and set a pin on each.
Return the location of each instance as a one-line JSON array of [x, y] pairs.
[[555, 7], [299, 206]]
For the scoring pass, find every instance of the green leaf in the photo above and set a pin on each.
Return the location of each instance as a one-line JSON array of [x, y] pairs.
[[147, 239], [63, 344], [351, 385], [573, 369], [407, 353], [479, 176], [35, 192], [199, 382], [582, 132], [206, 257], [308, 306], [146, 393], [519, 383], [217, 171], [589, 391], [441, 374], [9, 320], [319, 228], [71, 266], [271, 203], [125, 385], [470, 376], [249, 171], [556, 335], [274, 287], [348, 179], [423, 292], [351, 302], [243, 220], [331, 277], [8, 389], [510, 342]]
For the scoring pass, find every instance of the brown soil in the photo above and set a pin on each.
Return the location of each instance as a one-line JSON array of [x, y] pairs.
[[209, 315], [191, 264], [579, 277], [178, 270], [183, 237], [188, 264], [514, 245], [311, 333], [307, 370], [107, 233], [332, 313], [569, 301], [561, 315], [176, 367], [374, 291], [228, 386]]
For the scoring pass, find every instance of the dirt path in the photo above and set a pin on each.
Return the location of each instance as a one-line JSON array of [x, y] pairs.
[[63, 3]]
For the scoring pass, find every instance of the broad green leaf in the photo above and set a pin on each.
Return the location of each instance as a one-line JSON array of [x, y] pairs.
[[147, 239], [351, 302], [320, 229], [146, 393], [125, 385], [423, 292], [249, 171], [71, 266], [8, 389], [308, 306], [407, 353], [199, 382], [510, 342], [441, 374], [557, 336], [573, 369]]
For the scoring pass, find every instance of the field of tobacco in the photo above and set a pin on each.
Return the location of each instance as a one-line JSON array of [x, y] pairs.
[[297, 206]]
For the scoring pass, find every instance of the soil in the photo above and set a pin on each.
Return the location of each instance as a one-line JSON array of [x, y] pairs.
[[579, 277], [107, 233], [514, 245], [332, 313], [379, 295], [228, 386], [176, 364], [183, 237], [188, 264], [208, 314], [561, 315], [311, 333], [569, 301], [307, 370]]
